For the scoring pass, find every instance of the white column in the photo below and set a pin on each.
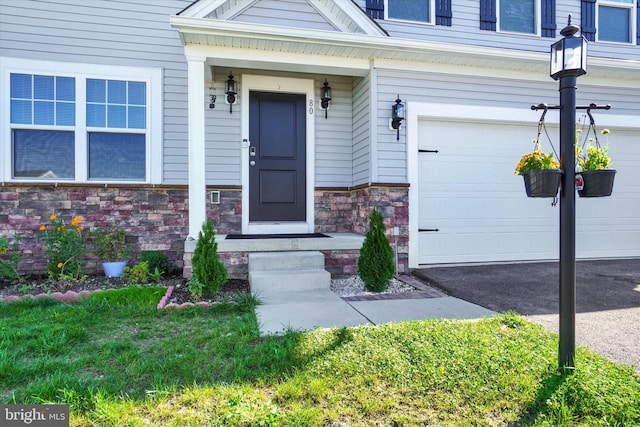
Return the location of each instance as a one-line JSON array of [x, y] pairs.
[[197, 182]]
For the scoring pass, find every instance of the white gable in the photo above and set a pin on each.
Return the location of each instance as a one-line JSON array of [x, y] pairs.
[[325, 15]]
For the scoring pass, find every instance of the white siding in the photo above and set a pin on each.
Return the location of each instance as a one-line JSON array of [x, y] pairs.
[[117, 32], [285, 13]]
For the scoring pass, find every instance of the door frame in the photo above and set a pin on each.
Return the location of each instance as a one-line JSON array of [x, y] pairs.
[[251, 82]]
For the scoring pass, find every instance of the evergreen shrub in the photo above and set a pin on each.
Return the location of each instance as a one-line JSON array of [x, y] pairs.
[[208, 271], [376, 262]]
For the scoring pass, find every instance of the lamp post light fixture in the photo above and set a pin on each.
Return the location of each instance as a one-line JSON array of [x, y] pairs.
[[325, 99], [397, 116], [568, 61], [231, 91]]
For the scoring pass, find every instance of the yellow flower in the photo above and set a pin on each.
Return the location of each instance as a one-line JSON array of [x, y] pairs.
[[75, 221], [60, 265], [42, 227], [81, 228], [52, 217], [3, 250]]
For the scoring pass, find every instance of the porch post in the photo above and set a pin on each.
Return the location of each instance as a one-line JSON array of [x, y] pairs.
[[197, 184]]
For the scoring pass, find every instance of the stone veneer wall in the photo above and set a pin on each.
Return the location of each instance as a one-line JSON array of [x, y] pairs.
[[348, 210], [156, 218]]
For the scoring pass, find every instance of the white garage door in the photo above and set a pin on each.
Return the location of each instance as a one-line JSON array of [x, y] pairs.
[[472, 208]]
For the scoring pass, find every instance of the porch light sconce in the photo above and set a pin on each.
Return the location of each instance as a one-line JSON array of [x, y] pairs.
[[569, 54], [212, 97], [397, 116], [231, 92], [325, 99]]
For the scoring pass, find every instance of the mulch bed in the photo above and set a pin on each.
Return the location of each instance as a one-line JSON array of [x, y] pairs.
[[37, 285]]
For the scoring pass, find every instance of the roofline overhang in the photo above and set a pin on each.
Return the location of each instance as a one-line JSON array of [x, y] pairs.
[[226, 34]]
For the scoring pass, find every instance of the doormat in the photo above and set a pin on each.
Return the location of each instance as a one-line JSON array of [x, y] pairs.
[[274, 236]]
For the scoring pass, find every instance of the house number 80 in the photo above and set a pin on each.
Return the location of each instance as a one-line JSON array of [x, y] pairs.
[[311, 103]]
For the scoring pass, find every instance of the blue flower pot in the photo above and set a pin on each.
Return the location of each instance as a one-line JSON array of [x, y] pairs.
[[114, 269]]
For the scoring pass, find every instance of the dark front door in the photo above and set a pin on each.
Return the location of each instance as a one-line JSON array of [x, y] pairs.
[[277, 157]]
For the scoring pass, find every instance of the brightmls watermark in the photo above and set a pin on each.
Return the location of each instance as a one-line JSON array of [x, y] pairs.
[[34, 415]]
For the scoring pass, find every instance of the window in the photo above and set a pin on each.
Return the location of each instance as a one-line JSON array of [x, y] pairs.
[[410, 10], [537, 17], [72, 123], [616, 21], [518, 16]]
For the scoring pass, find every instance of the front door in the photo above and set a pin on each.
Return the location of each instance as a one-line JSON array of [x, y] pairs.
[[277, 157]]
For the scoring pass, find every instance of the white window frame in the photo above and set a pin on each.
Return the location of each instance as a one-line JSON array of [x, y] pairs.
[[432, 14], [81, 72], [632, 19], [537, 10]]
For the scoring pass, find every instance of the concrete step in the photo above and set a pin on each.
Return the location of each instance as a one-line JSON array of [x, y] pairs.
[[288, 281], [286, 261]]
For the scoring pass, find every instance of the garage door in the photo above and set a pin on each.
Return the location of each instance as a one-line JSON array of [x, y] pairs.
[[472, 208]]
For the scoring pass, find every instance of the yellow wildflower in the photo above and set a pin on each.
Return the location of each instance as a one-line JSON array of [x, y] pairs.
[[3, 250], [42, 227], [81, 228], [52, 217], [60, 265], [75, 221]]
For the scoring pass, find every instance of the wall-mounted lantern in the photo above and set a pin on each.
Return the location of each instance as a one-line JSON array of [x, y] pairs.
[[325, 98], [397, 116], [231, 91], [212, 97]]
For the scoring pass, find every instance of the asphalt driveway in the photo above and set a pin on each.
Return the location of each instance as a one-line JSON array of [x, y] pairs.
[[607, 298]]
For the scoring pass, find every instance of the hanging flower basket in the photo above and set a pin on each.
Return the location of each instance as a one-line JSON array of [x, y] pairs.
[[597, 183], [542, 183]]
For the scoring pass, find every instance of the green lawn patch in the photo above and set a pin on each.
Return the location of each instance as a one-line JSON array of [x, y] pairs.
[[117, 360]]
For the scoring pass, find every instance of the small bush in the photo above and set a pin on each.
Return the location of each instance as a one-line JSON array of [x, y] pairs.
[[10, 259], [156, 259], [376, 264], [64, 246], [208, 269], [138, 274]]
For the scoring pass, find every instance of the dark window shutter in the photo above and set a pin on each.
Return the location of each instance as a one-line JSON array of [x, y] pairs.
[[588, 24], [638, 22], [443, 12], [375, 9], [488, 15], [548, 18]]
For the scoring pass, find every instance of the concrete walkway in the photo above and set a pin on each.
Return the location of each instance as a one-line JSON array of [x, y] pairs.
[[321, 308]]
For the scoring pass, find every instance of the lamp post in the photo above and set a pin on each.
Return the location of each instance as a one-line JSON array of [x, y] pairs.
[[568, 61]]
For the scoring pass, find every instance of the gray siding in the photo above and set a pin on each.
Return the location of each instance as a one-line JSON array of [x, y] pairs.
[[468, 90], [465, 29], [286, 13], [334, 134], [116, 32], [361, 131]]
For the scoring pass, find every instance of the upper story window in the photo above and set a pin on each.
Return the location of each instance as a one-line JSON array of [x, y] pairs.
[[616, 20], [410, 10], [75, 124], [430, 11], [536, 17], [518, 16]]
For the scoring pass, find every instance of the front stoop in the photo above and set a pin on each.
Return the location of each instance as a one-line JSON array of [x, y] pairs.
[[294, 290]]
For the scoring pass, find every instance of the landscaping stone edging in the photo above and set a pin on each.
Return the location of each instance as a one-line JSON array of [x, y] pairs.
[[68, 296]]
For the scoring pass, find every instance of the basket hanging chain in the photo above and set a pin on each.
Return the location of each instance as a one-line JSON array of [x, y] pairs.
[[542, 126]]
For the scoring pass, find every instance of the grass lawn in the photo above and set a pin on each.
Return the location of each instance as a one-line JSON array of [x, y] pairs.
[[117, 360]]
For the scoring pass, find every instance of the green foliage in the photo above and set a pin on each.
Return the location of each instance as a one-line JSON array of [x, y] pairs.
[[156, 260], [376, 264], [64, 246], [138, 274], [597, 158], [196, 288], [111, 243], [10, 259], [207, 268], [155, 275], [536, 160]]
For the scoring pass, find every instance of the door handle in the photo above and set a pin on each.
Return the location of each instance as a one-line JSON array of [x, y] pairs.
[[252, 163]]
